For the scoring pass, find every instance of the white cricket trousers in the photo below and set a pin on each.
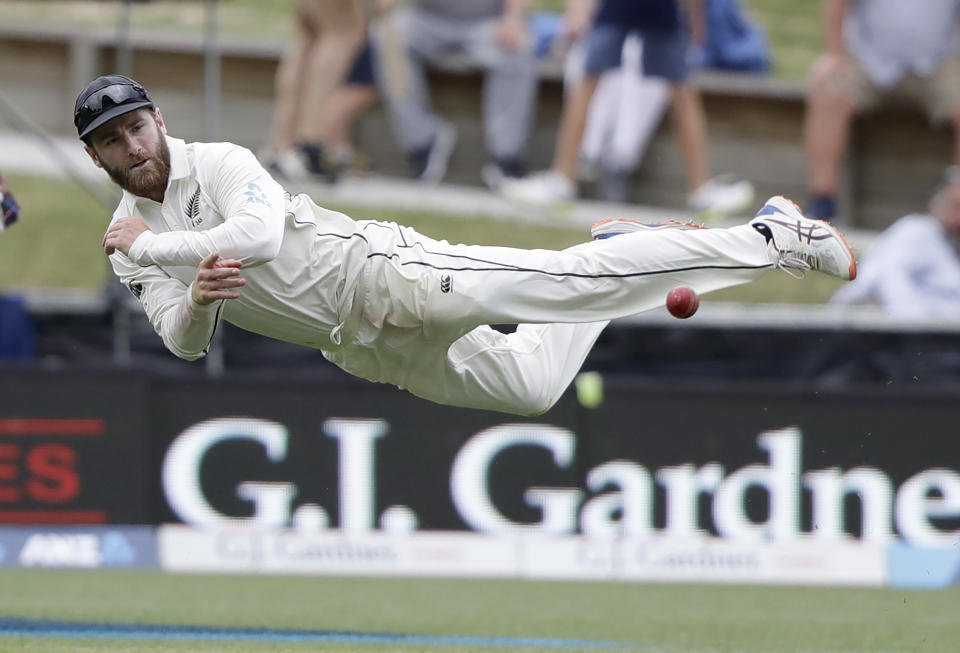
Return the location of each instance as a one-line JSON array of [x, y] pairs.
[[421, 307]]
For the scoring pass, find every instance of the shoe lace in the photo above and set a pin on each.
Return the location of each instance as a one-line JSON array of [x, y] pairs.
[[796, 264]]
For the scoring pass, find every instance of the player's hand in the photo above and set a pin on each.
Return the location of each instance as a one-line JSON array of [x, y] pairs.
[[217, 278], [122, 233]]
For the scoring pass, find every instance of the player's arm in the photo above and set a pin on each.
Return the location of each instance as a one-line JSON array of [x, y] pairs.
[[185, 316], [251, 202]]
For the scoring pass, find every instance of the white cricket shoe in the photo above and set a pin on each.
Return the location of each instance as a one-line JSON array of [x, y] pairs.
[[541, 189], [287, 163], [616, 226], [798, 243], [721, 196]]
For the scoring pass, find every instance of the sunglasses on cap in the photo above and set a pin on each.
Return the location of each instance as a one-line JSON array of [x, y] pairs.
[[107, 103]]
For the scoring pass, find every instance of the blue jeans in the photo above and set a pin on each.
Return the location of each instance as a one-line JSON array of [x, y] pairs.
[[664, 53]]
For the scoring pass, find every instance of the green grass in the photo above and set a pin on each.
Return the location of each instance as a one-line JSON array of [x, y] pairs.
[[56, 243], [794, 30], [660, 618]]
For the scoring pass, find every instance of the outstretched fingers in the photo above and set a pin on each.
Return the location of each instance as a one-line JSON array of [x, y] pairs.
[[217, 278]]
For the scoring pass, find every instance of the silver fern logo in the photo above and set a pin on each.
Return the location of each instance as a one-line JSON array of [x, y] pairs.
[[136, 288], [446, 283], [193, 209]]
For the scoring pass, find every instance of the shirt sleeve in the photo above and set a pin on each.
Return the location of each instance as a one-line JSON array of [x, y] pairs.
[[248, 198], [185, 327]]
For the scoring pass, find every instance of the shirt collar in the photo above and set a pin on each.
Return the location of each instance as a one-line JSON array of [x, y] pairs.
[[179, 168]]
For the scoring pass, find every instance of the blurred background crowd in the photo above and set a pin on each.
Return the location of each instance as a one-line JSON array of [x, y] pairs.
[[529, 117]]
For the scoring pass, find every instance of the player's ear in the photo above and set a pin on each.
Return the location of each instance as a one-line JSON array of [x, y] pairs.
[[92, 153], [159, 118]]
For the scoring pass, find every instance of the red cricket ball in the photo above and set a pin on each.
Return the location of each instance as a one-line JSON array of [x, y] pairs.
[[682, 302]]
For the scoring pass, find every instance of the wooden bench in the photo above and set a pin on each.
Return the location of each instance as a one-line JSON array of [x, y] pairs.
[[755, 122]]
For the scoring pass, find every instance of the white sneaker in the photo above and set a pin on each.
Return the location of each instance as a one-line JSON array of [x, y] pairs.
[[721, 196], [798, 244], [290, 164], [616, 226], [541, 189]]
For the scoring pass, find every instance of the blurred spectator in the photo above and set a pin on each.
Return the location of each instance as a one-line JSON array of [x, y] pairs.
[[628, 106], [9, 208], [734, 42], [876, 49], [913, 268], [348, 101], [666, 30], [328, 36], [490, 33], [624, 113], [17, 331]]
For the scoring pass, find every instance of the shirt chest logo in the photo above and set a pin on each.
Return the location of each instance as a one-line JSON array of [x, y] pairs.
[[192, 209]]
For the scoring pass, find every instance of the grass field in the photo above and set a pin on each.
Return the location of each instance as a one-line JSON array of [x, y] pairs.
[[658, 618]]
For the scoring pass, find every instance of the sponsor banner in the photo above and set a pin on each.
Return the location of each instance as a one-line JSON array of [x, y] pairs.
[[743, 466], [704, 560], [70, 449], [923, 567], [783, 563], [248, 550], [90, 547], [361, 458], [573, 558], [733, 473]]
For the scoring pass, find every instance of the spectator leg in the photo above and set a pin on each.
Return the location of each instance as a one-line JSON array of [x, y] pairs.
[[573, 121], [405, 40], [288, 89], [342, 29], [690, 123], [826, 135], [509, 93], [346, 103]]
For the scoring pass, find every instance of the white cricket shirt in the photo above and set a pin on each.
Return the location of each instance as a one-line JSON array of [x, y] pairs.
[[298, 258]]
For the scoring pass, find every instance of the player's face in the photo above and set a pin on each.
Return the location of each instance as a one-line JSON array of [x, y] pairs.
[[133, 151]]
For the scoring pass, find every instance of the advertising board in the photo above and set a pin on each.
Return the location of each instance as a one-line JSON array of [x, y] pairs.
[[70, 449], [81, 547], [744, 464]]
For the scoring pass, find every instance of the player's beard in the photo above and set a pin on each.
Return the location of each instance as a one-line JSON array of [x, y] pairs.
[[147, 181]]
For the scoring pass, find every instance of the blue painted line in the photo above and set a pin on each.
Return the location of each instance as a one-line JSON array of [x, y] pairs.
[[79, 629]]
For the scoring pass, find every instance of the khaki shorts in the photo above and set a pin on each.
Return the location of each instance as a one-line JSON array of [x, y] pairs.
[[939, 93]]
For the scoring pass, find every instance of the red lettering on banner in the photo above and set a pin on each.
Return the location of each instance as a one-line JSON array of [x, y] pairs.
[[54, 477], [9, 471], [40, 426], [53, 517]]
